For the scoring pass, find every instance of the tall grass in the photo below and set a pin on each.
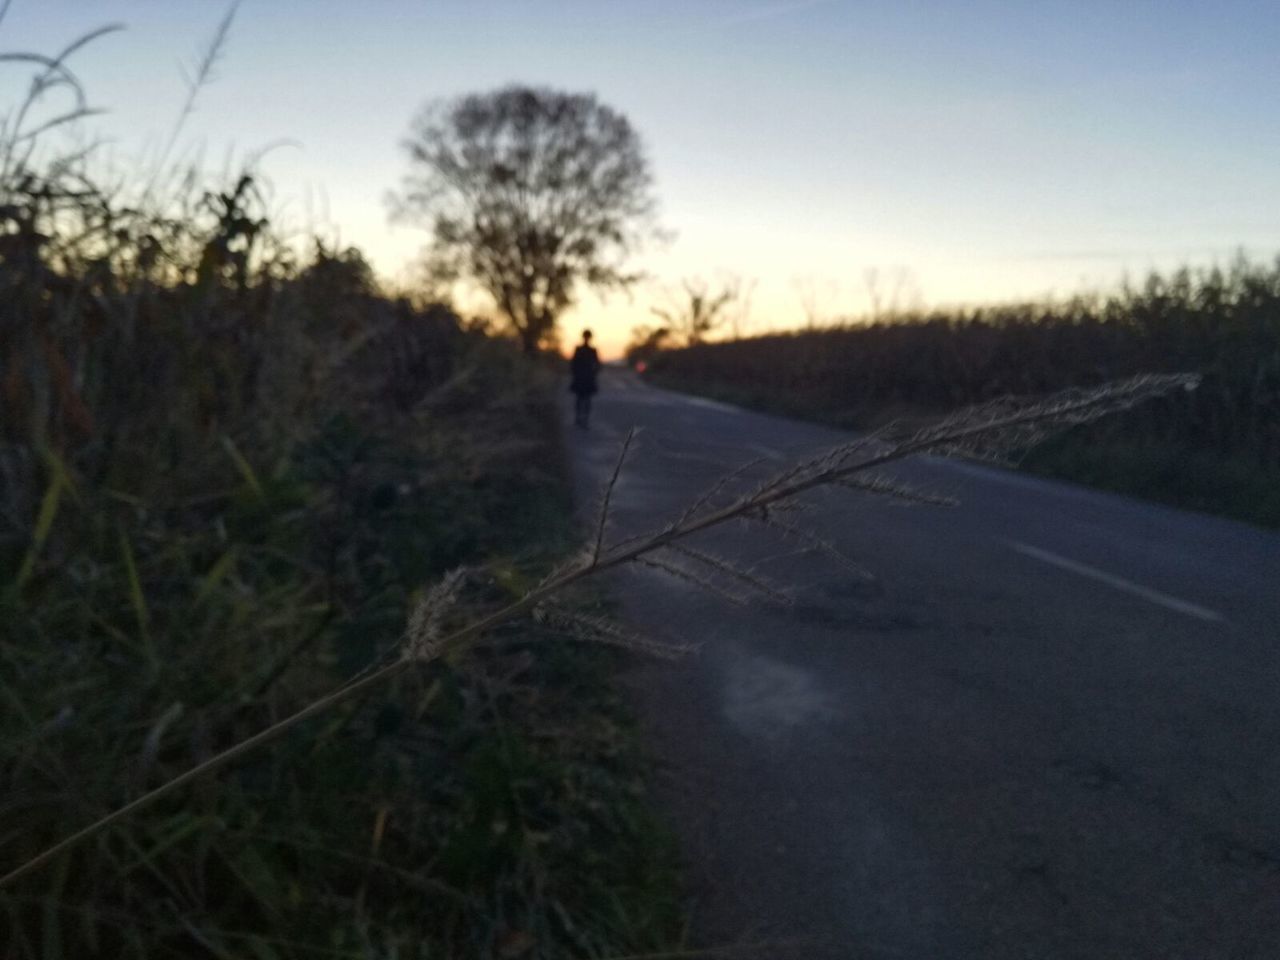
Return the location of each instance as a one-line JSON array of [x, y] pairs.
[[1223, 323], [227, 467]]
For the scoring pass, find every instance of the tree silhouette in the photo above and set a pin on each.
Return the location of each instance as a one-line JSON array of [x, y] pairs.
[[532, 194], [699, 311], [645, 342]]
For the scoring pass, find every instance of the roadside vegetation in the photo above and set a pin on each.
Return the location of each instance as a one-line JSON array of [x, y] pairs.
[[1215, 449], [228, 471]]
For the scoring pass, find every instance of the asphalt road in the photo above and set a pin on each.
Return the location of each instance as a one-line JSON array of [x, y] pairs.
[[1049, 728]]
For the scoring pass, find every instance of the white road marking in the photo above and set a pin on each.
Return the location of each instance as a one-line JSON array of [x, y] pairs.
[[1118, 583]]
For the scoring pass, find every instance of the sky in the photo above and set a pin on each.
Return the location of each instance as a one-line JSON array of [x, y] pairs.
[[937, 151]]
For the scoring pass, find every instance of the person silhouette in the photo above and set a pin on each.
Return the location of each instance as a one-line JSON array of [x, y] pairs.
[[583, 370]]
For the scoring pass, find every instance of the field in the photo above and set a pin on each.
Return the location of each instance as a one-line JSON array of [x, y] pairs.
[[1215, 449]]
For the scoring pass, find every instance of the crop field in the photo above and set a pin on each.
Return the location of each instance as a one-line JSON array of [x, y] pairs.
[[1216, 448]]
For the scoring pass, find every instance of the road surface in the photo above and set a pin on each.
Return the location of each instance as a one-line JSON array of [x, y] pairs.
[[1049, 728]]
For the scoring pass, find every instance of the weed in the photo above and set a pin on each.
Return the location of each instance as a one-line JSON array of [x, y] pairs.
[[227, 468]]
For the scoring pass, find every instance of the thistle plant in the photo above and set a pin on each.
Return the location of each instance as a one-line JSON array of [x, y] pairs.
[[990, 431]]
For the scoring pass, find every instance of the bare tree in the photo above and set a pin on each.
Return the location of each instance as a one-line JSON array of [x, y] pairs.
[[814, 299], [887, 303], [645, 342], [740, 318], [532, 194], [698, 309]]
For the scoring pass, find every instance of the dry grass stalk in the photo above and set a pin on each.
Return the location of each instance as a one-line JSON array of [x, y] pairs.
[[677, 572], [882, 486], [715, 489], [423, 635], [603, 516], [745, 577], [769, 518], [579, 626], [989, 427]]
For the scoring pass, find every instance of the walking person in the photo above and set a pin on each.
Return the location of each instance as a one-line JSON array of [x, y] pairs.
[[583, 369]]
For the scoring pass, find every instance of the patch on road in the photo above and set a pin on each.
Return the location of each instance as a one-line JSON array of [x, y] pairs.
[[766, 699]]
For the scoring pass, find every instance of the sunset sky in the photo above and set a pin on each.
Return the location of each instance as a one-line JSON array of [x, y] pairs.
[[974, 151]]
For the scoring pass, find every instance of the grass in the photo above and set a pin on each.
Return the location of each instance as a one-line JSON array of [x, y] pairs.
[[229, 470], [493, 800], [1178, 474]]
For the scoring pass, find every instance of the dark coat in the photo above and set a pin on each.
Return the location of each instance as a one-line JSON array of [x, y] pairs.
[[583, 369]]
